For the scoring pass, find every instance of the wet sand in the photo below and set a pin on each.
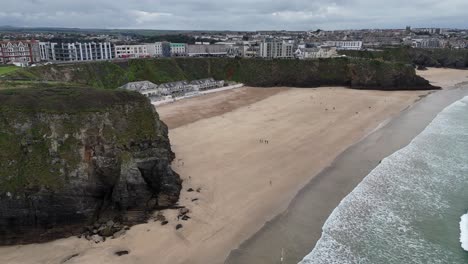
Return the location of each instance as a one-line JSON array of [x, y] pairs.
[[250, 151]]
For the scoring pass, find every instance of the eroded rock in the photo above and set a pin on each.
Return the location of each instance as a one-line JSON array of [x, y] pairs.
[[74, 157]]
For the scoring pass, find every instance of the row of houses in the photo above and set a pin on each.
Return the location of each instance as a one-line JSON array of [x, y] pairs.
[[172, 89], [19, 52]]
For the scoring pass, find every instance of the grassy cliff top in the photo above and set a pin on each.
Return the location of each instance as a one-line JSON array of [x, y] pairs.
[[353, 72], [64, 100]]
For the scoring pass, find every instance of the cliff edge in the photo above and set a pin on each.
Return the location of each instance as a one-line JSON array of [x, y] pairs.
[[355, 73], [75, 157]]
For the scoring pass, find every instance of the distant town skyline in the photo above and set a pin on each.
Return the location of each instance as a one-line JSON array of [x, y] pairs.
[[241, 15]]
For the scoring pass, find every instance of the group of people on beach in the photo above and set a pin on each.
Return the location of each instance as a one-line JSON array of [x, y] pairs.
[[264, 141]]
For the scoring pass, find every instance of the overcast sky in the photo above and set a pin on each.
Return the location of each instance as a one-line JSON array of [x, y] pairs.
[[235, 14]]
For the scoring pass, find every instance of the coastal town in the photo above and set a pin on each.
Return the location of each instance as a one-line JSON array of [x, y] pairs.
[[233, 132], [23, 48]]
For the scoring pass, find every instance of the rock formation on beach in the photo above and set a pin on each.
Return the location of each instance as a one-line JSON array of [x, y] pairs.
[[76, 157]]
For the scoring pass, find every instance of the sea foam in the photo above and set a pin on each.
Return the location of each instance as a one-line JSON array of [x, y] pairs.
[[464, 232], [407, 209]]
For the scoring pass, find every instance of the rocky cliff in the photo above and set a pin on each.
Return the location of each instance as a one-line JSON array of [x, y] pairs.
[[354, 73], [74, 157], [448, 58]]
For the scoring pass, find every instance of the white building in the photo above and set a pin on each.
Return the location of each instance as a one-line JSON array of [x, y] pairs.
[[135, 51], [198, 50], [276, 49], [180, 88], [46, 51], [158, 48], [428, 43], [178, 49], [77, 51], [139, 86], [206, 84], [345, 45]]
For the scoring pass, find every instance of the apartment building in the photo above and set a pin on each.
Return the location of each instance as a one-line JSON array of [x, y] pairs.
[[76, 51], [178, 49], [272, 48], [213, 50], [345, 45], [163, 49], [429, 43], [21, 52], [135, 51], [46, 51]]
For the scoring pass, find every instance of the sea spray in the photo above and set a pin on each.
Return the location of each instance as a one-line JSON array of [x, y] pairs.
[[407, 210]]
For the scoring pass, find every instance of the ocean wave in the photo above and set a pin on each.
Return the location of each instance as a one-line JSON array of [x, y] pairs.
[[406, 209], [464, 232]]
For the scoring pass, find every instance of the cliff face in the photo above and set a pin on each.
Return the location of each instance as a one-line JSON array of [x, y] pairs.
[[354, 73], [71, 157], [422, 57]]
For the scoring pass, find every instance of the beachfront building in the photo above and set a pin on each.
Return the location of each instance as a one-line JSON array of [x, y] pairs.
[[178, 49], [172, 89], [139, 86], [345, 45], [77, 51], [316, 53], [21, 52], [272, 49], [206, 84]]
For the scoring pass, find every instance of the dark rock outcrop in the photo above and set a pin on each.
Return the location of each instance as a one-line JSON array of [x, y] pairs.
[[74, 157]]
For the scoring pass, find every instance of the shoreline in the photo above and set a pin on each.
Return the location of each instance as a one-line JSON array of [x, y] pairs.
[[272, 242], [243, 182], [324, 145]]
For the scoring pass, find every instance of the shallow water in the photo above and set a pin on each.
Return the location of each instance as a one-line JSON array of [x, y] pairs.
[[408, 209]]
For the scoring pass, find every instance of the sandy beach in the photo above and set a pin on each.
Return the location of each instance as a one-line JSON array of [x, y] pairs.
[[249, 151], [445, 78]]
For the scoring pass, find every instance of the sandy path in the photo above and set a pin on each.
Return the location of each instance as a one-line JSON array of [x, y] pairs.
[[243, 182]]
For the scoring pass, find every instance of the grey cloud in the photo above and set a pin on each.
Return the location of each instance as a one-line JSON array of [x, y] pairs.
[[234, 15]]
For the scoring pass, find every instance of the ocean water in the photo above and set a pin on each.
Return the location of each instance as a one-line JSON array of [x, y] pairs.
[[412, 208]]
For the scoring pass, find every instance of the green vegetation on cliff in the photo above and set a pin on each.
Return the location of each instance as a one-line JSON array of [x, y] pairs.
[[7, 69], [64, 100], [44, 132], [423, 57], [355, 73]]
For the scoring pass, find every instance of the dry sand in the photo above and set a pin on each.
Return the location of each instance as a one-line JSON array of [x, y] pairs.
[[244, 182], [446, 78]]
